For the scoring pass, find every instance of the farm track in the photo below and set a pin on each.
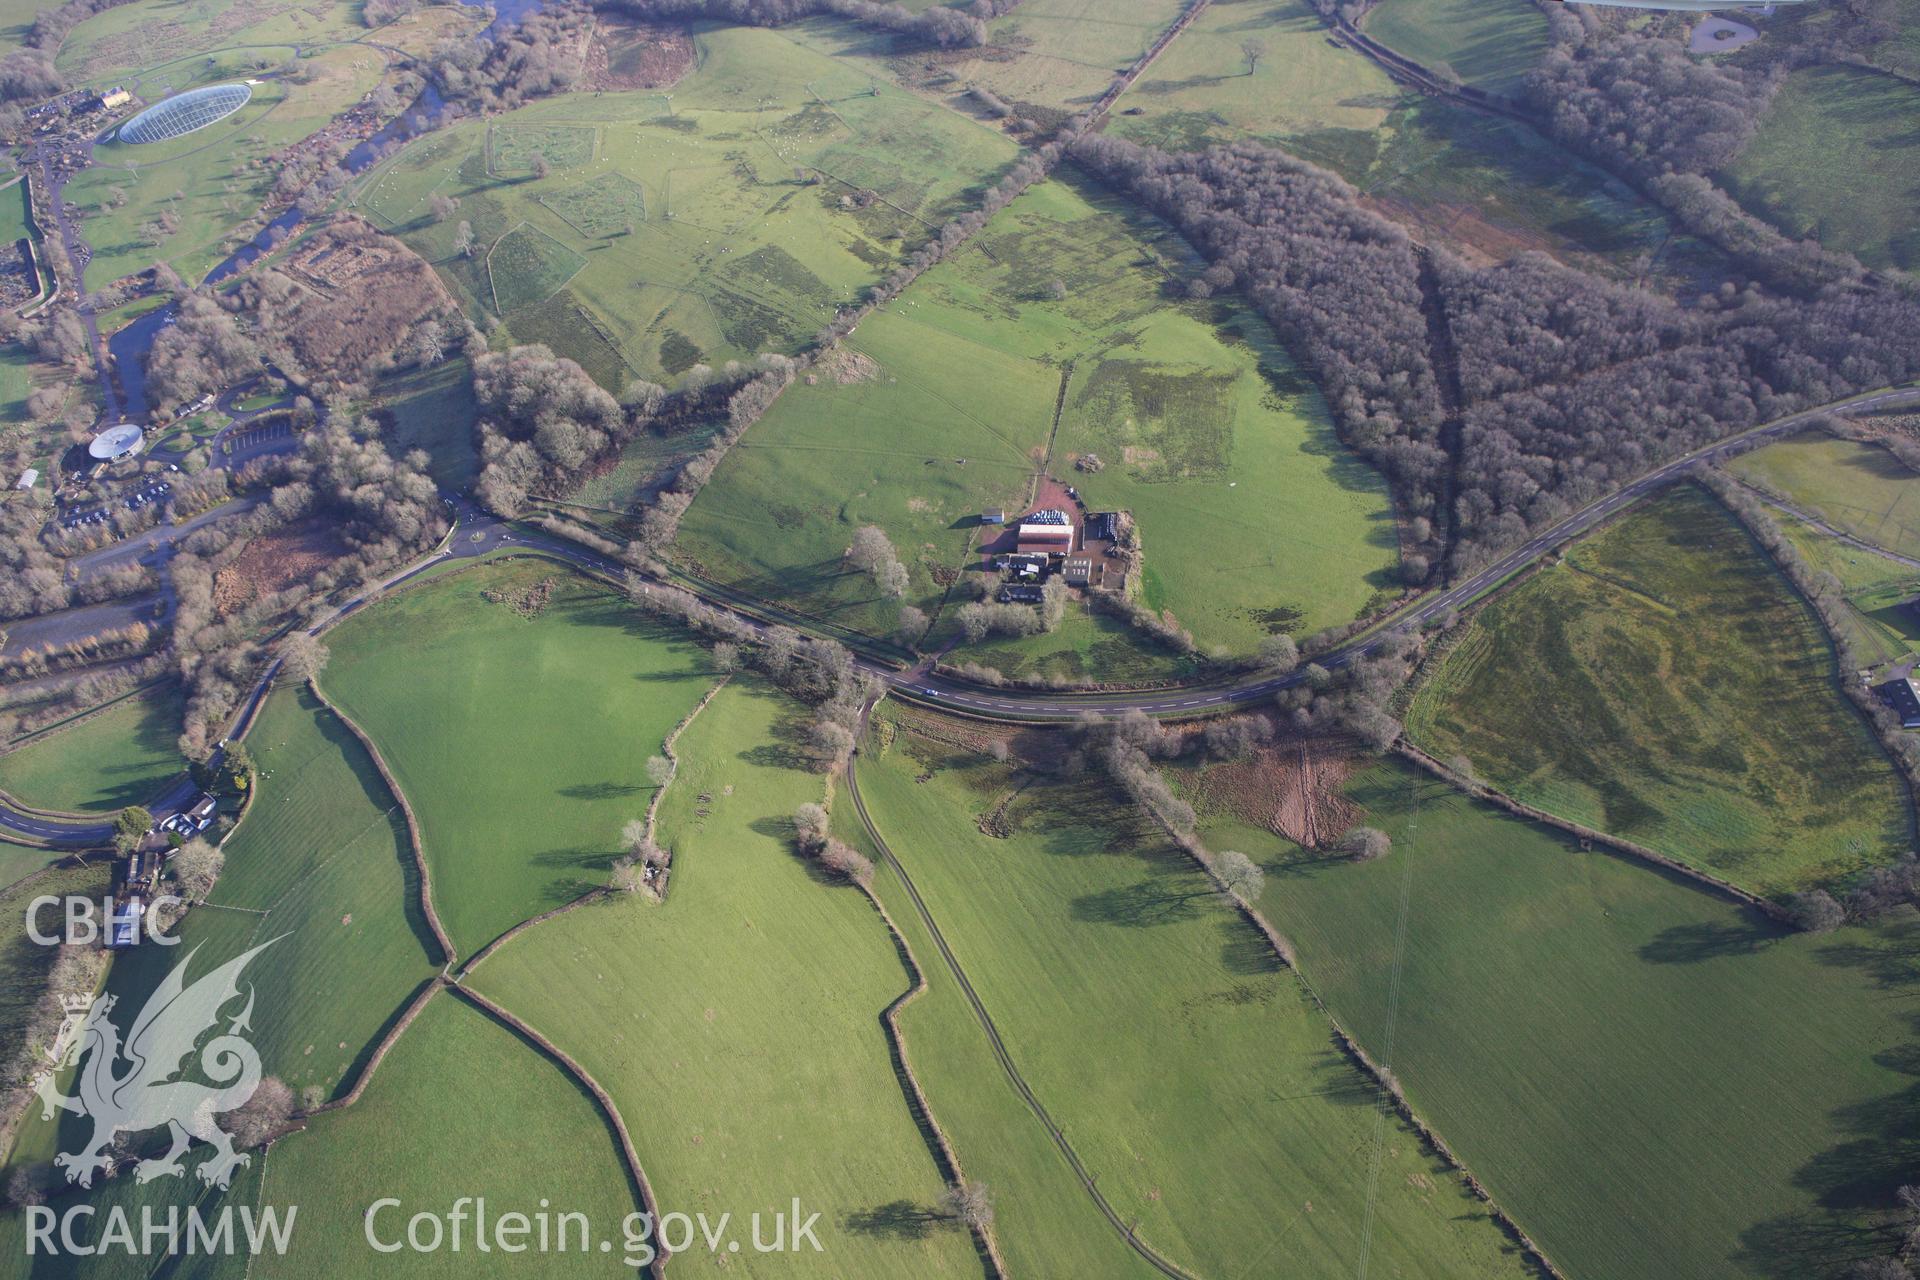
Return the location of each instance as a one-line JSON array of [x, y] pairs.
[[1088, 1181]]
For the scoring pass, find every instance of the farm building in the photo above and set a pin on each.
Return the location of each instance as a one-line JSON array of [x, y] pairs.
[[28, 478], [1078, 570], [993, 516], [1045, 539], [1903, 698], [1103, 526], [1025, 566]]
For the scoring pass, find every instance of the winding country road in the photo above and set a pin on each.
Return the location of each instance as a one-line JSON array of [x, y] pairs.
[[477, 534]]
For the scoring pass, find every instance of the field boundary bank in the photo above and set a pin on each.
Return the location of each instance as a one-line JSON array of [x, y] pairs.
[[408, 1012], [1382, 1077], [944, 1152], [946, 1156], [448, 956], [659, 792], [1521, 809], [630, 1156], [1087, 1181], [465, 969]]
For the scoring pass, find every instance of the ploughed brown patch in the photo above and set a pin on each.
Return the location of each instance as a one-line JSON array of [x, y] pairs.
[[627, 54], [1291, 788]]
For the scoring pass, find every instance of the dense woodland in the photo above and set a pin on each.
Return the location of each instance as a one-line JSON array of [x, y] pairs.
[[1570, 385]]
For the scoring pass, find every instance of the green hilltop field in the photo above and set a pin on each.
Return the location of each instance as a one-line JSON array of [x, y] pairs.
[[1254, 519]]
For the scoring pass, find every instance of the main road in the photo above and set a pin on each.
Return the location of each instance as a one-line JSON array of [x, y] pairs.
[[479, 534]]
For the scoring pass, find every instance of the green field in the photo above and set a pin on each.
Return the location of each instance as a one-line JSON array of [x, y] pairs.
[[122, 756], [1860, 489], [1653, 1081], [1490, 46], [744, 190], [737, 1026], [520, 742], [602, 206], [1253, 517], [1664, 684], [24, 963], [127, 43], [512, 149], [1301, 84], [1191, 1072], [527, 266], [1837, 159], [17, 861], [454, 1111], [1047, 59]]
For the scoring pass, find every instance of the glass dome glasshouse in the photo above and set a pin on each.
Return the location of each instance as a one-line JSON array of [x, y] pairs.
[[185, 112]]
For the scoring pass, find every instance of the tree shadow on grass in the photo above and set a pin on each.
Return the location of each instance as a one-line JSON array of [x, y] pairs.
[[1852, 1183], [1145, 905], [897, 1220], [600, 790], [1710, 940]]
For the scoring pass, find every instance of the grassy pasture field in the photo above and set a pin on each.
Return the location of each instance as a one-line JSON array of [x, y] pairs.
[[16, 23], [416, 1134], [453, 1111], [1490, 46], [743, 190], [1303, 83], [1221, 1118], [125, 43], [521, 742], [1837, 158], [18, 861], [737, 1026], [1654, 1081], [121, 756], [1048, 59], [1254, 518], [212, 179], [1087, 646], [1665, 685], [1044, 1221], [1858, 488]]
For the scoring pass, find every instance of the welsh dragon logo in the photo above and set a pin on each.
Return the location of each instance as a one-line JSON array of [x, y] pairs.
[[147, 1092]]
